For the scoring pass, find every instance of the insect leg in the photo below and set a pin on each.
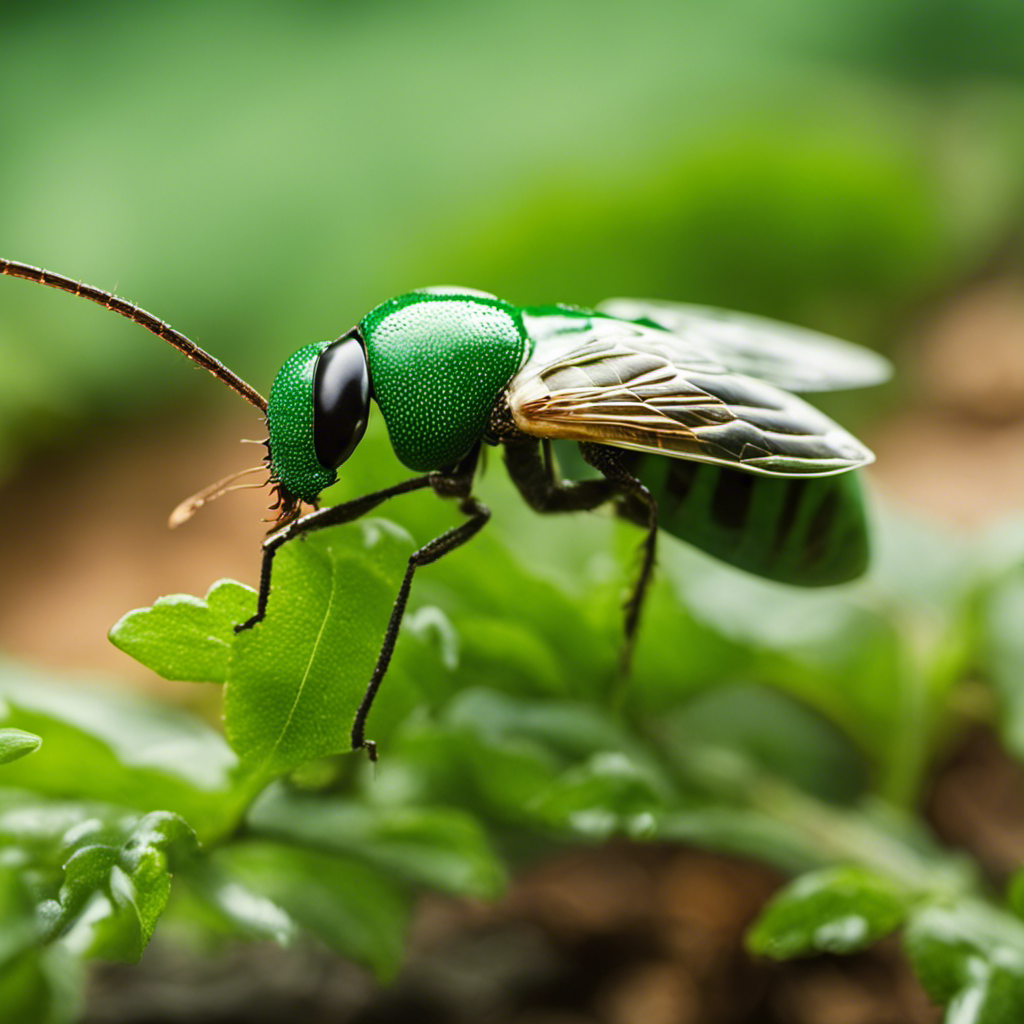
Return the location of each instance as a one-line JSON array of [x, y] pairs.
[[611, 463], [332, 516], [431, 552], [534, 476]]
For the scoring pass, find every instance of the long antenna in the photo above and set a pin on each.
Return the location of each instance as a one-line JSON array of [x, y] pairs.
[[132, 312]]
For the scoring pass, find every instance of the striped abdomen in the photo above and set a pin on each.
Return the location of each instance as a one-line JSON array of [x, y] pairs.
[[808, 531]]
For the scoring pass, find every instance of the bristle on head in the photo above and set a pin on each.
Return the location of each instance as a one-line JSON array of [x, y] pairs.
[[287, 506]]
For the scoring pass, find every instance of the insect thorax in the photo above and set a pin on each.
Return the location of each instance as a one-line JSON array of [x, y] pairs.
[[439, 359]]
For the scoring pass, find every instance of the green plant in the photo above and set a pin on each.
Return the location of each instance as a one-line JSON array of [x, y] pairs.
[[793, 728]]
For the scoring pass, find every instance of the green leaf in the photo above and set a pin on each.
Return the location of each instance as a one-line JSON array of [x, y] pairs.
[[437, 847], [187, 638], [233, 908], [775, 733], [601, 780], [607, 794], [86, 874], [739, 830], [440, 763], [20, 928], [119, 748], [837, 910], [349, 906], [113, 895], [678, 656], [970, 957], [1004, 650], [55, 826], [147, 860], [604, 780], [43, 986], [15, 743], [518, 631], [557, 766], [568, 728], [296, 679]]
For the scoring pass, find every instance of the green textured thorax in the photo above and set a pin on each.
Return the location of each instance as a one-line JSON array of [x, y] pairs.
[[439, 359], [290, 423]]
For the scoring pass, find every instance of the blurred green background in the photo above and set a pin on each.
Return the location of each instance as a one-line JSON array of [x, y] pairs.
[[260, 175]]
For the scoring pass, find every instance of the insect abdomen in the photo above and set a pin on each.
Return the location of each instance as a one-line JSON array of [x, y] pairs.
[[807, 531]]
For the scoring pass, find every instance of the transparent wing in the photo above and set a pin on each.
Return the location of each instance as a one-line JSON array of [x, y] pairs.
[[595, 378], [790, 357]]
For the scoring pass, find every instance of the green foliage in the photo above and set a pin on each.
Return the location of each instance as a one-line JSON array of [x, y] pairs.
[[118, 749], [295, 680], [436, 847], [503, 727], [356, 910], [968, 956], [835, 910], [15, 743], [121, 793], [116, 882], [970, 959], [187, 638]]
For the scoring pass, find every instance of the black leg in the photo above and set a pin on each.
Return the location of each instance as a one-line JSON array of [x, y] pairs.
[[437, 548], [346, 512], [454, 482], [534, 476], [610, 462]]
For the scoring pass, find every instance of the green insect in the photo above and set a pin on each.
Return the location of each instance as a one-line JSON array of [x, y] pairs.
[[685, 411]]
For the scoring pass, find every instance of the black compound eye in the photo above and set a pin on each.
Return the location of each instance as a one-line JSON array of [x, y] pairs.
[[341, 399]]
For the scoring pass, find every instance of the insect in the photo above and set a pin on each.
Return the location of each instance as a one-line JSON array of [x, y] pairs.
[[686, 413]]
